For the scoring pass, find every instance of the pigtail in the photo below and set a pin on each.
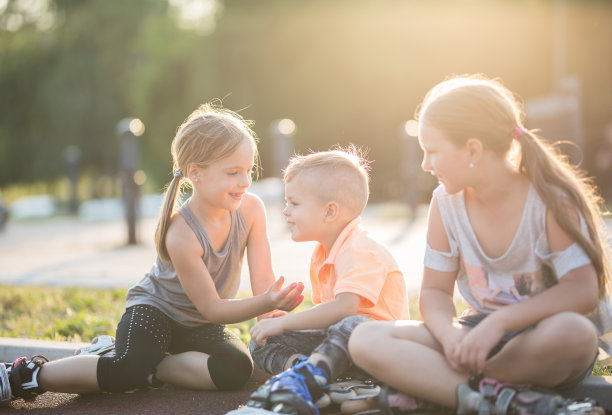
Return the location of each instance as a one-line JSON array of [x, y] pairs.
[[549, 171], [165, 215]]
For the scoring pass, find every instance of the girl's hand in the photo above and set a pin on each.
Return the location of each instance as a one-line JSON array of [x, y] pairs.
[[266, 328], [451, 342], [285, 298], [474, 348]]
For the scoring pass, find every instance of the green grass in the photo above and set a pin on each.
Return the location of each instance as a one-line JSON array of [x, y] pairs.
[[80, 314]]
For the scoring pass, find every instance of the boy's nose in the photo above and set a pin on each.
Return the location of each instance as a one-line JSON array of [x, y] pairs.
[[425, 166]]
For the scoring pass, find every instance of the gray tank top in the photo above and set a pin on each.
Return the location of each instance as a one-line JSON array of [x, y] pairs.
[[161, 287]]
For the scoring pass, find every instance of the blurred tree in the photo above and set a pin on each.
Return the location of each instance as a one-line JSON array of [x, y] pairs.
[[344, 71]]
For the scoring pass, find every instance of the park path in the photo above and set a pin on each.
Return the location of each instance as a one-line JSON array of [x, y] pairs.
[[69, 251]]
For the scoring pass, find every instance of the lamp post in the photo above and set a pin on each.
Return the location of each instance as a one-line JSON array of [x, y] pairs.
[[129, 130], [72, 155], [282, 132], [410, 168]]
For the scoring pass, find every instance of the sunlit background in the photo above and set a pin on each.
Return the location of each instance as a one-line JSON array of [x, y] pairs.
[[311, 74]]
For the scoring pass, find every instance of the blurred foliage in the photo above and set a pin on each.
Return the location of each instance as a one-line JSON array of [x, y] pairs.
[[344, 71]]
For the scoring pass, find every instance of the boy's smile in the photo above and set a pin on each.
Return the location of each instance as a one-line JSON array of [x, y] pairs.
[[304, 210]]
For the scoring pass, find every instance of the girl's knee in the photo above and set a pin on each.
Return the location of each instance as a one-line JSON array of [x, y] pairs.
[[569, 334], [581, 335], [575, 328], [361, 339], [230, 371]]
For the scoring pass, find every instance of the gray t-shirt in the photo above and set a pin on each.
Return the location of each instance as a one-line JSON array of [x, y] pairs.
[[161, 287], [527, 268]]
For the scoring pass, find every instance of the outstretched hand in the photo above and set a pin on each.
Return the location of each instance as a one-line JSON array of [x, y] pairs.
[[286, 298]]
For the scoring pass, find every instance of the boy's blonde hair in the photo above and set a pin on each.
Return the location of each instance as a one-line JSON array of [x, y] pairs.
[[342, 174], [210, 133], [474, 106]]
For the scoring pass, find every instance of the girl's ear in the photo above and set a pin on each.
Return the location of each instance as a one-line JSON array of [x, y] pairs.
[[192, 172], [332, 211], [475, 149]]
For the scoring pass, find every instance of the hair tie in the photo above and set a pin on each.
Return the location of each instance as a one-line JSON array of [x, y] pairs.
[[178, 173], [517, 132]]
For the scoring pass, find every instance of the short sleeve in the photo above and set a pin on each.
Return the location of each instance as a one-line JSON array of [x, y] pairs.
[[567, 260], [441, 261], [363, 274]]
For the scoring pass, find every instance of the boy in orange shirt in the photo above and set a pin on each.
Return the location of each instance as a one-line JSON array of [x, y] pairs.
[[354, 279]]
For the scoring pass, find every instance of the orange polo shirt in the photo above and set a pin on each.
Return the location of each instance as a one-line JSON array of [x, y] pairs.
[[358, 264]]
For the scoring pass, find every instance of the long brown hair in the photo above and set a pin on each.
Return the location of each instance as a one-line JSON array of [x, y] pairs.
[[477, 107], [209, 133]]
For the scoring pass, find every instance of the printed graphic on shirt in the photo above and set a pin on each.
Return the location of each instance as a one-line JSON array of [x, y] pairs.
[[493, 291]]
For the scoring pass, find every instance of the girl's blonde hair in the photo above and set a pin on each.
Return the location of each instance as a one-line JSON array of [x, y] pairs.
[[343, 175], [210, 133], [477, 107]]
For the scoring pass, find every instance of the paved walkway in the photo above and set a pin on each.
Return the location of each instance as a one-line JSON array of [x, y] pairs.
[[71, 251]]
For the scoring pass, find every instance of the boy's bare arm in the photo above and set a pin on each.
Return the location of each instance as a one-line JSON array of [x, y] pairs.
[[321, 316]]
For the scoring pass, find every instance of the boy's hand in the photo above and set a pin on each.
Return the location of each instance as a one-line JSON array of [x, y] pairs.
[[266, 328], [286, 298], [272, 314]]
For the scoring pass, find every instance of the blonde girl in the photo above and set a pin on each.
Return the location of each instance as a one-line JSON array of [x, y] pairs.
[[173, 327], [518, 230]]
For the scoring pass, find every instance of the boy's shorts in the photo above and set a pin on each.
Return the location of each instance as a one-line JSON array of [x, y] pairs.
[[471, 320]]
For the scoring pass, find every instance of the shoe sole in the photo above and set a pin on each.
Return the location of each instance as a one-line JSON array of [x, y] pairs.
[[99, 346]]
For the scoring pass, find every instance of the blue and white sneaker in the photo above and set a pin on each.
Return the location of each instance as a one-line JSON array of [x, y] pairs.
[[101, 346], [294, 391]]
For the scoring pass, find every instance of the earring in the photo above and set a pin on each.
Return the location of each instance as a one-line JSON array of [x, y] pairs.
[[471, 165]]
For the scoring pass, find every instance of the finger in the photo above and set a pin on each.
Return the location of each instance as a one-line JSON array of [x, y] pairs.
[[287, 290], [279, 283], [298, 301], [482, 361]]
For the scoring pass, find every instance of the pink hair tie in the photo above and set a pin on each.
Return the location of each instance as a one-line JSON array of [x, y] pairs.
[[517, 132]]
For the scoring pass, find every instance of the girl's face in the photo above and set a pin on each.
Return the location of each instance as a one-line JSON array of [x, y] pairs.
[[223, 183], [443, 159], [304, 210]]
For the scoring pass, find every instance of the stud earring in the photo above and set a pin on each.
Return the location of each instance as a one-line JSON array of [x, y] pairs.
[[471, 165]]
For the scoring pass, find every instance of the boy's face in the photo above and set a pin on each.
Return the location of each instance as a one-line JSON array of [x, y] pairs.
[[304, 210]]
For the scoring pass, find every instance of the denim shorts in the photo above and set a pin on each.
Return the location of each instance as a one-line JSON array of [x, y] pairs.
[[471, 320]]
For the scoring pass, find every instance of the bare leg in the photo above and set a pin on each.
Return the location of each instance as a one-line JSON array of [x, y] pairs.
[[406, 356], [559, 349], [187, 370], [76, 374]]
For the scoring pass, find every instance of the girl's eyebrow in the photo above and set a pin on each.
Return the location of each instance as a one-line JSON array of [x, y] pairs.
[[239, 167]]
